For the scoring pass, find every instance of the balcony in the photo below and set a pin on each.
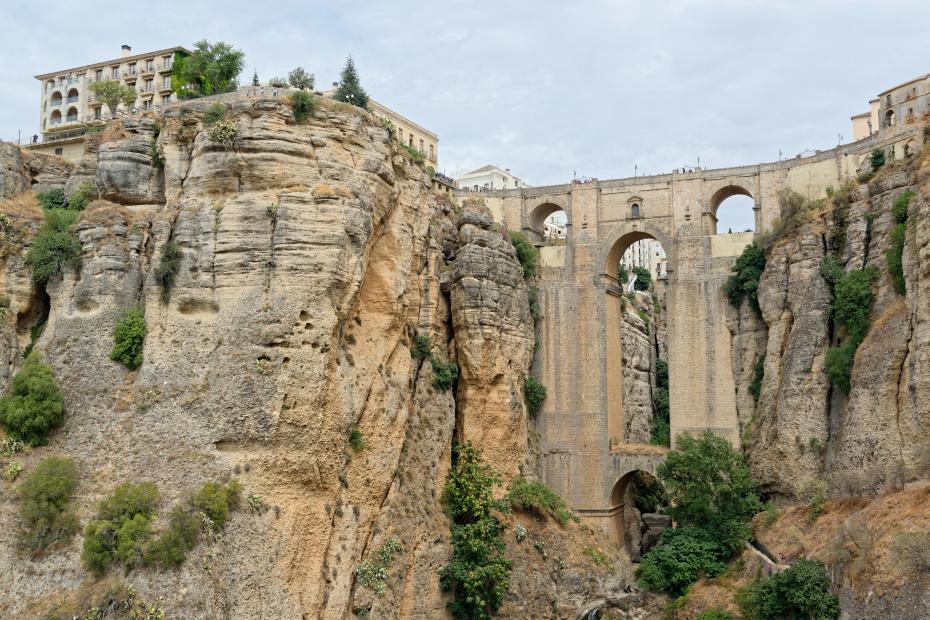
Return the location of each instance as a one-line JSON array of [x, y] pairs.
[[130, 73], [166, 67], [73, 98], [148, 69]]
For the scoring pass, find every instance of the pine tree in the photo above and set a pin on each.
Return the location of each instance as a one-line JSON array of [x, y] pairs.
[[255, 79], [350, 90]]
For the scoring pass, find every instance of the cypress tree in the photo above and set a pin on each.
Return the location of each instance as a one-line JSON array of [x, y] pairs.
[[350, 90]]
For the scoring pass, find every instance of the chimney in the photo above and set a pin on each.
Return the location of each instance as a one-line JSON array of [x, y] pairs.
[[126, 50]]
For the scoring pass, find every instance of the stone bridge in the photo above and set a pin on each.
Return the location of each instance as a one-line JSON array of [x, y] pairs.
[[585, 456]]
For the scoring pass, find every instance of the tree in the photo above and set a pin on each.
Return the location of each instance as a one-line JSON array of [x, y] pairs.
[[255, 79], [802, 591], [300, 79], [710, 489], [112, 93], [746, 274], [643, 279], [350, 89], [34, 405], [211, 68]]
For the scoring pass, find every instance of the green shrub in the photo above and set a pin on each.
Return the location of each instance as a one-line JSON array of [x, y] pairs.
[[643, 279], [714, 614], [52, 199], [532, 296], [802, 591], [758, 374], [850, 309], [815, 507], [537, 497], [155, 154], [304, 105], [597, 556], [770, 514], [661, 430], [478, 574], [223, 132], [168, 268], [54, 247], [622, 275], [710, 488], [527, 253], [216, 500], [685, 555], [746, 274], [415, 155], [82, 196], [46, 513], [215, 113], [170, 548], [534, 393], [877, 159], [356, 440], [421, 346], [895, 252], [445, 374], [373, 572], [128, 338], [121, 527], [34, 405]]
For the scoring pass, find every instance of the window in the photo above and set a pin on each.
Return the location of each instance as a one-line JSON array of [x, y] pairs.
[[147, 104], [422, 150], [167, 82], [114, 73], [97, 112], [431, 156], [132, 69], [515, 183], [476, 188], [166, 98], [634, 211], [98, 75], [168, 60], [148, 86], [410, 144]]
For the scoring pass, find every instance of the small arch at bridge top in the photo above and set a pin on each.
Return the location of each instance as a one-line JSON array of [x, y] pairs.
[[549, 221], [622, 238], [732, 209]]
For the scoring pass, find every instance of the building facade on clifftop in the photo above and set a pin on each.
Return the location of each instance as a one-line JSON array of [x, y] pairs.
[[67, 105], [488, 178], [904, 105]]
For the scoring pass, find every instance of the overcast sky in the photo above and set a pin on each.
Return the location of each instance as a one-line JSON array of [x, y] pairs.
[[588, 88]]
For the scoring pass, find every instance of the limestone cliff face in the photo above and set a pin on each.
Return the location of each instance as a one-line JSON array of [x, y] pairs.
[[312, 255], [803, 429], [638, 357]]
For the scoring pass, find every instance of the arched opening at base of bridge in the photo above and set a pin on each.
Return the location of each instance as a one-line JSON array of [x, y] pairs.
[[732, 210], [637, 502], [547, 224], [637, 380]]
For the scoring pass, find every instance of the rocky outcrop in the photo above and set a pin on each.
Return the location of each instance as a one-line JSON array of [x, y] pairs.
[[311, 257], [638, 356], [878, 434]]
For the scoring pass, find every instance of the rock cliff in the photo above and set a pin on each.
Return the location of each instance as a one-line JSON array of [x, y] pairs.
[[312, 257]]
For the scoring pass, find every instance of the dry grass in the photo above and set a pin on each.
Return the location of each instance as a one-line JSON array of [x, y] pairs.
[[637, 448], [113, 131]]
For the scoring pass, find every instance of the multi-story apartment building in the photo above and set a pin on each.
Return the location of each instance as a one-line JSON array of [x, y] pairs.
[[897, 107], [489, 177], [646, 253], [67, 105]]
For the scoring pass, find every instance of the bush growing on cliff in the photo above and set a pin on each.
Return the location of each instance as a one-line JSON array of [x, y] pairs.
[[661, 431], [421, 347], [685, 555], [304, 105], [537, 497], [527, 253], [215, 113], [895, 252], [877, 159], [82, 196], [649, 495], [168, 268], [643, 279], [710, 488], [55, 247], [445, 374], [714, 614], [34, 405], [46, 512], [758, 374], [223, 132], [622, 275], [478, 574], [52, 199], [802, 591], [534, 393], [121, 528], [129, 336], [850, 310], [744, 283]]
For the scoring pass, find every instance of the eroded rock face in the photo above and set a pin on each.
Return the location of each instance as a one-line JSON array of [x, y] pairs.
[[638, 357], [312, 255], [879, 433]]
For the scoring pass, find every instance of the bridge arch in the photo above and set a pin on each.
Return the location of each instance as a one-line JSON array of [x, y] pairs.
[[537, 212], [720, 196], [624, 512], [620, 238]]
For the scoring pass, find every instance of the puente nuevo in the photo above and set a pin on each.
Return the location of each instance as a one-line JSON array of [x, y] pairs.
[[585, 456]]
